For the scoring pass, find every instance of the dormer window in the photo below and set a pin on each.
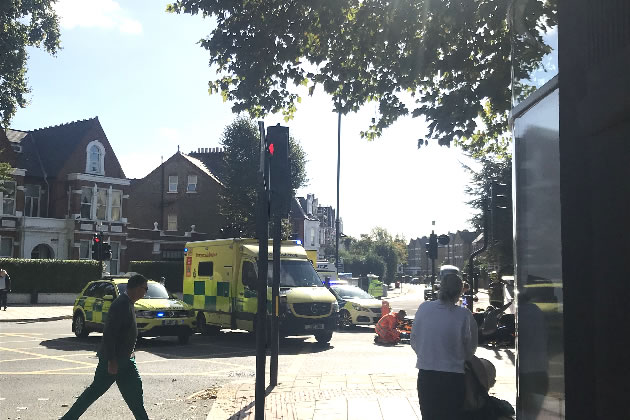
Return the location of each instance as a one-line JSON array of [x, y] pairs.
[[95, 158]]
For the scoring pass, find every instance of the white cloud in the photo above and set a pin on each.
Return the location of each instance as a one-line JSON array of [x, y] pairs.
[[105, 14]]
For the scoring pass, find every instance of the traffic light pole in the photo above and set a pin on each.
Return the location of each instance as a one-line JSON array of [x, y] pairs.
[[275, 296], [263, 261], [473, 280]]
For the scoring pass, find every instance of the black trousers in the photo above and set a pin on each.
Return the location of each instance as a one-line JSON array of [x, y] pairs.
[[441, 395], [3, 298]]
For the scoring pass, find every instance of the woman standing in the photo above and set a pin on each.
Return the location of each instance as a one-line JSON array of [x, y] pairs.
[[443, 336]]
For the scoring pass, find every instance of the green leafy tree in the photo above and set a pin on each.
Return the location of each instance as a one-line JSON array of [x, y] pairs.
[[500, 244], [448, 61], [23, 24], [241, 142], [361, 265], [5, 171]]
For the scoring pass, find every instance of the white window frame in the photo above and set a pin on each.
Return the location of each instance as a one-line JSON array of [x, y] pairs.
[[28, 207], [106, 205], [11, 252], [115, 257], [89, 247], [101, 158], [2, 198], [173, 183], [194, 184], [171, 222], [112, 207]]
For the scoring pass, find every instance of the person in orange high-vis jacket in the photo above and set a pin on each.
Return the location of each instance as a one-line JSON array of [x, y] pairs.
[[386, 330]]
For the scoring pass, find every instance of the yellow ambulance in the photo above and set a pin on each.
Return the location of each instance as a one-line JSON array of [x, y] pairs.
[[220, 278]]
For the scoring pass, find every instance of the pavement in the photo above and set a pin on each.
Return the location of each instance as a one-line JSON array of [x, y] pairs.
[[35, 313], [344, 396]]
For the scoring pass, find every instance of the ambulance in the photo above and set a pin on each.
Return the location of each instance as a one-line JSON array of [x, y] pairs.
[[220, 279]]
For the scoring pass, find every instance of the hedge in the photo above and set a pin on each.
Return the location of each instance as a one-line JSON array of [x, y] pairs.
[[173, 271], [50, 276]]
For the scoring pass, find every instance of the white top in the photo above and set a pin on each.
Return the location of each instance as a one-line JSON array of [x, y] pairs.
[[443, 336]]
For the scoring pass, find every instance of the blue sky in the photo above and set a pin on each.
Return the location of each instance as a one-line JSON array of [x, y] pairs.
[[142, 73]]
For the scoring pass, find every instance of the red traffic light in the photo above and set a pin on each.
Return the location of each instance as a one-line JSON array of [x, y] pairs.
[[96, 239], [271, 149]]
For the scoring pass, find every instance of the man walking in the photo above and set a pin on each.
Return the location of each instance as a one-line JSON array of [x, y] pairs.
[[5, 287], [116, 359]]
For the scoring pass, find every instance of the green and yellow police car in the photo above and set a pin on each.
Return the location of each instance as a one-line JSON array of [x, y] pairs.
[[157, 313], [356, 306]]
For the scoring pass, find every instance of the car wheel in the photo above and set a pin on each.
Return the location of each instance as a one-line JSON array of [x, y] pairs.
[[345, 319], [78, 323], [323, 337], [183, 339]]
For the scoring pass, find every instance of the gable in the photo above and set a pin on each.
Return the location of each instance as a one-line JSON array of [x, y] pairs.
[[64, 147]]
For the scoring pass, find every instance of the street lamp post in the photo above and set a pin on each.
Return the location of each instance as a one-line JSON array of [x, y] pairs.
[[338, 173]]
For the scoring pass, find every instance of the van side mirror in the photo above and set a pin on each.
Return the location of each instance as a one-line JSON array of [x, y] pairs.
[[108, 297]]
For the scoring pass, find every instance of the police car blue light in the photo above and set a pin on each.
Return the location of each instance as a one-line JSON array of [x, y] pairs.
[[160, 314]]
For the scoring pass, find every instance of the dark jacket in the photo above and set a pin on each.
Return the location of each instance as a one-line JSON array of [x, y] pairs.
[[120, 331]]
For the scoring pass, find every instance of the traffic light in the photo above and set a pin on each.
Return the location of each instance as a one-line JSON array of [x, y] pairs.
[[277, 148], [96, 246], [106, 251], [433, 246]]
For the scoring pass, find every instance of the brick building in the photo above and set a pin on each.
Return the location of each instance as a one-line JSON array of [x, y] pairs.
[[67, 184], [175, 203]]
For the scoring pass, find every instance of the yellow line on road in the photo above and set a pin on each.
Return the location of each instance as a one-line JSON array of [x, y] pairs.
[[43, 356], [91, 373]]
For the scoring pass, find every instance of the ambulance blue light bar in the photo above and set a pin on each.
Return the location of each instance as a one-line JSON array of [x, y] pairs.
[[160, 314], [298, 242], [185, 249]]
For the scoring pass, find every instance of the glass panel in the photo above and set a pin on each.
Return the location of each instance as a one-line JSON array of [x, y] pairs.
[[116, 205], [192, 183], [95, 159], [8, 197], [84, 250], [156, 290], [31, 190], [538, 250], [35, 207], [295, 274], [172, 222], [172, 183], [86, 203], [101, 204], [6, 247]]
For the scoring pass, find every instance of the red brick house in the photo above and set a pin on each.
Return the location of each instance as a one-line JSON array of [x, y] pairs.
[[67, 184], [177, 202]]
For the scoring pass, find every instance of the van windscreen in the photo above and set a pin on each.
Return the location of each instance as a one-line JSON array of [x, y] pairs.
[[295, 273]]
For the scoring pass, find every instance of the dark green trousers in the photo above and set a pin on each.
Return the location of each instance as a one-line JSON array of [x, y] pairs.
[[129, 384]]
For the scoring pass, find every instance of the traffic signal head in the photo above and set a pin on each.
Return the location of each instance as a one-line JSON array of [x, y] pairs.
[[433, 246], [97, 246], [277, 141]]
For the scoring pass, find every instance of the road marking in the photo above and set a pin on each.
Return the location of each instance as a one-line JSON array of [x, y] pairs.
[[91, 373], [43, 356]]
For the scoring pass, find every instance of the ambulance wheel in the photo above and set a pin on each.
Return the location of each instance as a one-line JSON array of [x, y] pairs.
[[78, 322], [345, 319], [323, 337], [183, 339]]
